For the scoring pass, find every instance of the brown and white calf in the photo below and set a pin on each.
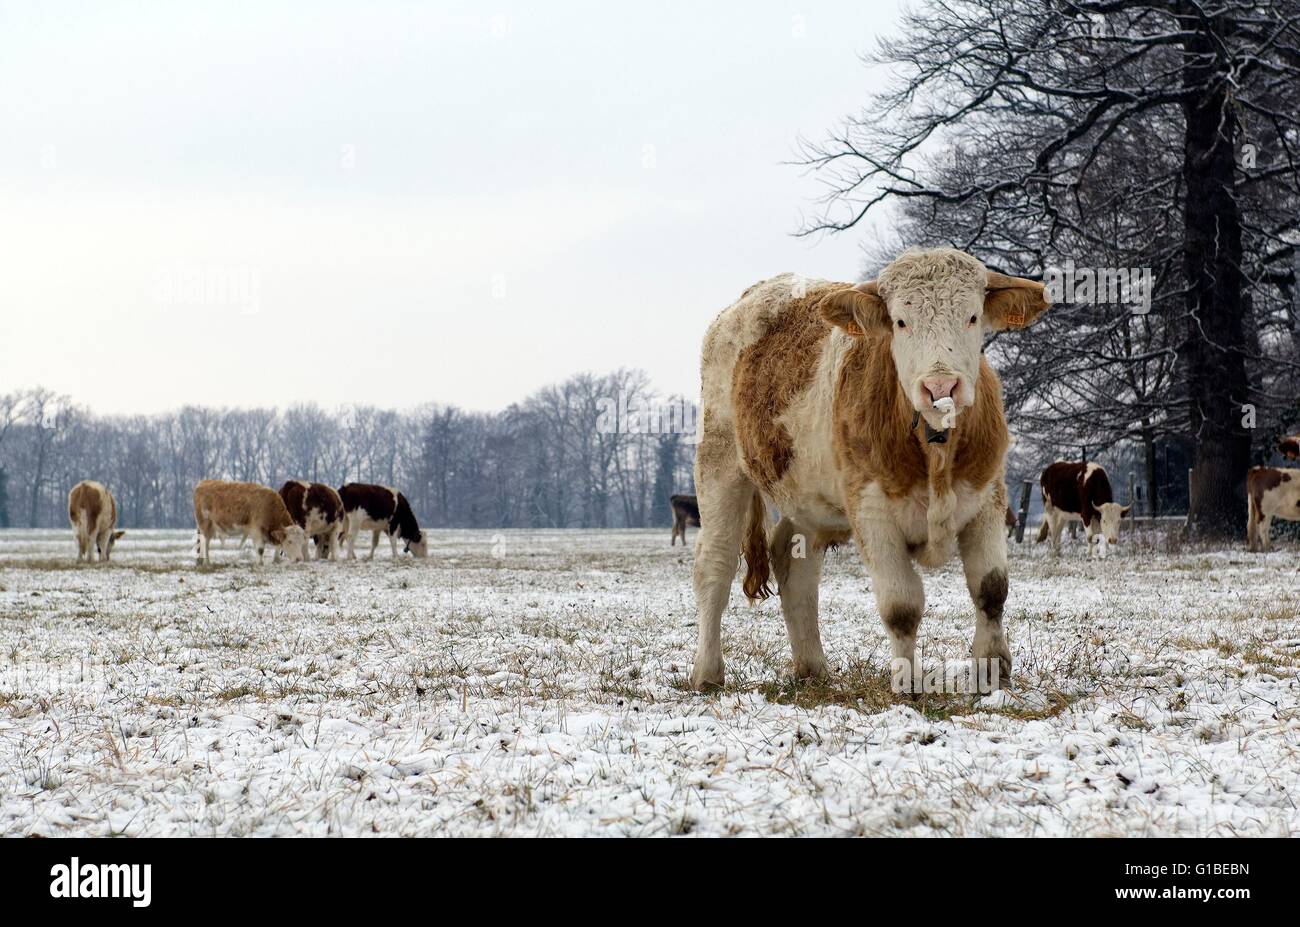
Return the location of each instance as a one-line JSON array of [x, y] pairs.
[[381, 510], [318, 510], [864, 411], [1080, 492], [686, 513], [227, 509], [1270, 491], [92, 510]]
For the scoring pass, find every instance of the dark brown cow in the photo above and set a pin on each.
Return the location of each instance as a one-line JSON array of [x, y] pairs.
[[381, 510], [686, 512], [1270, 491], [1080, 492], [1289, 447], [318, 510]]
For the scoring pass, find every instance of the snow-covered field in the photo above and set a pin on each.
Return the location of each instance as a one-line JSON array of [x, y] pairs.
[[534, 683]]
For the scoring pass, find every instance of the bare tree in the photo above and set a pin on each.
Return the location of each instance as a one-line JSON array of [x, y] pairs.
[[1058, 86]]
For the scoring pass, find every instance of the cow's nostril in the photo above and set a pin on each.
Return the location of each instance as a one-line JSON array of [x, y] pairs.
[[939, 387]]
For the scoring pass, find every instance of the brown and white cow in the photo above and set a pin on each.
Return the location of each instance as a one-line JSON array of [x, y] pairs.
[[1270, 491], [1289, 447], [92, 510], [686, 513], [864, 411], [381, 510], [227, 509], [318, 510], [1080, 492]]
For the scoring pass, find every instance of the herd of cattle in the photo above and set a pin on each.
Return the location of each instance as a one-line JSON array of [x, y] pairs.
[[301, 512]]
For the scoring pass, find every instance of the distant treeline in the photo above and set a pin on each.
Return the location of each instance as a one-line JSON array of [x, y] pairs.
[[591, 452]]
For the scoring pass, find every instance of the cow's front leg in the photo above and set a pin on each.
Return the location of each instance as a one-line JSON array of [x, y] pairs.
[[984, 559], [900, 595]]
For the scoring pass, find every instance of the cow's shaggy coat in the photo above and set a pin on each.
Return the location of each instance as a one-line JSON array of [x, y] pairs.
[[820, 398], [92, 511], [381, 510], [1270, 492], [227, 509]]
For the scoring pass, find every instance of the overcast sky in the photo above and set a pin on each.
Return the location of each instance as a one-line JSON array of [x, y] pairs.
[[263, 203]]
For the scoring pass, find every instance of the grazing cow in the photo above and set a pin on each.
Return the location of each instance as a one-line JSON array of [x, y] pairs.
[[1289, 447], [228, 509], [686, 512], [864, 411], [381, 509], [1080, 492], [318, 510], [1269, 491], [92, 510]]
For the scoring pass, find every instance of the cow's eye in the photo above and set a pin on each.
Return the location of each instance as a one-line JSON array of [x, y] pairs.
[[973, 319], [902, 324]]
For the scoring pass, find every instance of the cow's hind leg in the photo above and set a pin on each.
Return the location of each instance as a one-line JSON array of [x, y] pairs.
[[725, 496], [797, 562], [984, 559]]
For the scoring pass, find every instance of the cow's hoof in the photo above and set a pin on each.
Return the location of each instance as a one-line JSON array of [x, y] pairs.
[[809, 669], [707, 679]]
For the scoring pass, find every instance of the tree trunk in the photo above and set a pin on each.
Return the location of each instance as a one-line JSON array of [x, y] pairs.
[[1149, 461], [1217, 382]]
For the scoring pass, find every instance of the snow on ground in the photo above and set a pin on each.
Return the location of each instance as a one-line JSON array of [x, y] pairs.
[[533, 683]]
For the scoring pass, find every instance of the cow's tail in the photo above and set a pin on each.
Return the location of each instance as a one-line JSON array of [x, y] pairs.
[[1042, 531], [758, 566]]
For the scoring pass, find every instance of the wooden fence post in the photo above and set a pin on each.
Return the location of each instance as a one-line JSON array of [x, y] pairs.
[[1025, 490]]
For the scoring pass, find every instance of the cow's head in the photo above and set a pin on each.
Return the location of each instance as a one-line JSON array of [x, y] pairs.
[[1289, 447], [112, 540], [420, 546], [936, 307], [1106, 524], [291, 541]]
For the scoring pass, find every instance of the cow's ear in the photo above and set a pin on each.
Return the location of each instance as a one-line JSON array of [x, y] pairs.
[[1125, 510], [1013, 302], [857, 310], [277, 535], [118, 534]]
